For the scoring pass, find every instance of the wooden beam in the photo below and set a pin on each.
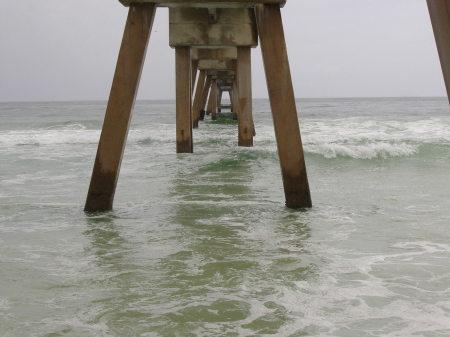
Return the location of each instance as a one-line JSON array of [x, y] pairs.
[[235, 101], [120, 105], [205, 93], [244, 84], [196, 106], [194, 69], [219, 99], [282, 102], [440, 19], [213, 97], [183, 100], [209, 106]]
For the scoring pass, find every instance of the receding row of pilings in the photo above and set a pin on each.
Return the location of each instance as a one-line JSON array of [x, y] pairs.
[[203, 24], [217, 25]]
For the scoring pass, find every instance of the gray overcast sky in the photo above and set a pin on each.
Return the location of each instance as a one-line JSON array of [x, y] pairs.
[[67, 50]]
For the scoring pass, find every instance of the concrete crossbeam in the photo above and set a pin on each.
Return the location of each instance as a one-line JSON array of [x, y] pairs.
[[215, 65], [193, 27]]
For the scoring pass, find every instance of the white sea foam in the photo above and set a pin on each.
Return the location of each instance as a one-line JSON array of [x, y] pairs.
[[370, 296], [48, 137], [351, 137], [364, 151]]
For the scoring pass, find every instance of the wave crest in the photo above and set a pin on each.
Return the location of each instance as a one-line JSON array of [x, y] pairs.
[[362, 151]]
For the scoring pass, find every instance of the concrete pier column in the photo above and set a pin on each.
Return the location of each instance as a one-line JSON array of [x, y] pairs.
[[235, 101], [196, 106], [282, 102], [120, 105], [244, 84], [440, 19], [183, 100], [213, 96], [205, 93]]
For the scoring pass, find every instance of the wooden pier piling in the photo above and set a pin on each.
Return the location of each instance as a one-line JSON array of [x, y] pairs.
[[197, 105], [120, 105], [244, 84], [439, 11], [183, 100], [213, 97], [282, 103], [204, 99]]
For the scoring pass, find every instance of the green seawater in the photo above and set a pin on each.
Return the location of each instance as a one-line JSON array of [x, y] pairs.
[[202, 245]]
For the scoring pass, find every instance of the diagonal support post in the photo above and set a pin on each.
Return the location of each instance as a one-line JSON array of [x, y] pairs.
[[204, 98], [282, 102], [196, 106], [440, 20], [120, 105]]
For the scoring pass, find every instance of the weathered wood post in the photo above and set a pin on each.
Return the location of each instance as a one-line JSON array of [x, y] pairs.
[[213, 97], [244, 83], [219, 99], [210, 104], [282, 103], [440, 19], [196, 107], [235, 98], [204, 99], [183, 100], [120, 105], [194, 68]]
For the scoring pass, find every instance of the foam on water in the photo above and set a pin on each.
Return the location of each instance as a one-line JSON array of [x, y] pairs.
[[350, 137], [374, 292], [201, 245]]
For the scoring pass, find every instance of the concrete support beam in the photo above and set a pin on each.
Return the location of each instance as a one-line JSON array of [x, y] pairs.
[[221, 65], [225, 81], [244, 83], [205, 93], [440, 19], [226, 86], [217, 54], [196, 107], [183, 100], [119, 109], [193, 27], [282, 102]]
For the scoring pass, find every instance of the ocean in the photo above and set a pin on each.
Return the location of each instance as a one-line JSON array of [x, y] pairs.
[[202, 245]]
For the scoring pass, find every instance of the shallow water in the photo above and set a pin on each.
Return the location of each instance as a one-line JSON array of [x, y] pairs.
[[202, 245]]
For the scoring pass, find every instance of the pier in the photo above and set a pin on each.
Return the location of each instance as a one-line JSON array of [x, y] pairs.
[[212, 40]]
